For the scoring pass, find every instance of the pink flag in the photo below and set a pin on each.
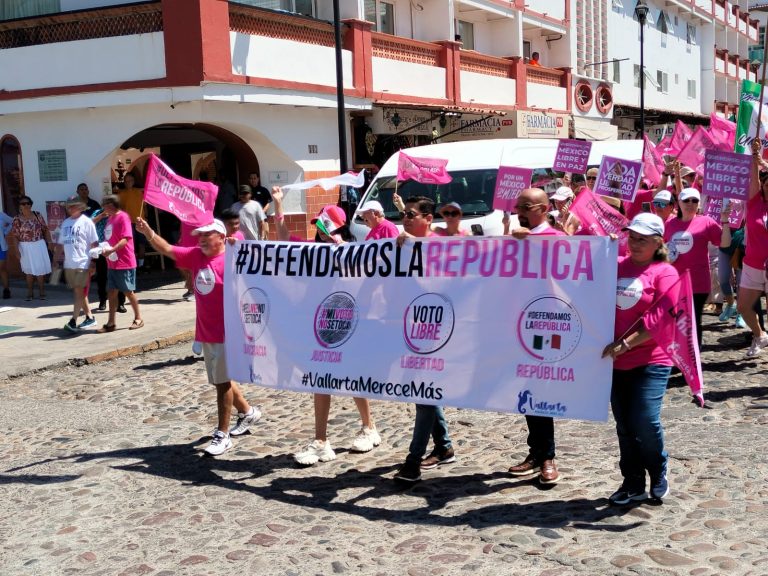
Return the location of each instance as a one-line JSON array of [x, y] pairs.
[[722, 131], [423, 170], [189, 200], [692, 154], [679, 139], [598, 218], [675, 331], [653, 165]]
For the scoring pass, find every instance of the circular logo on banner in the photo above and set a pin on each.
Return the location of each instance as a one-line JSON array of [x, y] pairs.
[[335, 319], [254, 313], [549, 329], [680, 243], [205, 281], [628, 292], [428, 323]]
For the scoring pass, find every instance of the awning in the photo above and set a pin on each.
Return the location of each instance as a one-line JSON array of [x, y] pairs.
[[593, 129]]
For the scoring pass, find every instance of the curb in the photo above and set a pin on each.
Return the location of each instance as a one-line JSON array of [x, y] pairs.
[[134, 350]]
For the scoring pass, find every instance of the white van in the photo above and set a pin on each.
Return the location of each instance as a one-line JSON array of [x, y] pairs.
[[473, 166]]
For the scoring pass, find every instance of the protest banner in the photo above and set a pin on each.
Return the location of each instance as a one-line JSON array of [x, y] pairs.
[[726, 174], [618, 178], [189, 200], [391, 322], [423, 170], [714, 207], [572, 156], [510, 182]]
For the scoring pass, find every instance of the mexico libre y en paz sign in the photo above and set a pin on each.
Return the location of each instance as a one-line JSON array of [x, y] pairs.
[[484, 323]]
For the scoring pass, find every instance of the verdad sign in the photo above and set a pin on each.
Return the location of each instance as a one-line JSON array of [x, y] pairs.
[[386, 322]]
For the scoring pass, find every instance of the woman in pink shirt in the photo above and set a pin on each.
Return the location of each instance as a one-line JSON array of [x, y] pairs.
[[452, 214], [331, 224], [688, 237], [754, 274], [641, 367]]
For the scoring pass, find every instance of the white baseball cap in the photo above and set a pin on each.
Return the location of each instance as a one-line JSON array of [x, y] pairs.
[[370, 205], [215, 226], [689, 193], [647, 224], [562, 193], [663, 196]]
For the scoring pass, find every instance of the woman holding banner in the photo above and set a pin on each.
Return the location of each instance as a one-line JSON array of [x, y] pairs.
[[331, 225], [647, 287]]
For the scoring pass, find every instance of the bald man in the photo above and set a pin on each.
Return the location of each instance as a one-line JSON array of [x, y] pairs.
[[532, 206]]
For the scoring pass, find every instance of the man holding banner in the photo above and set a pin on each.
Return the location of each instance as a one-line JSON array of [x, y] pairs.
[[206, 263]]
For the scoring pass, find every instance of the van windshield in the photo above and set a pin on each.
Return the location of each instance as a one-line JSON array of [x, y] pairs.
[[471, 189]]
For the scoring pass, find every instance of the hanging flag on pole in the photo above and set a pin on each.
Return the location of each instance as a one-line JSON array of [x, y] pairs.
[[752, 119], [351, 179], [423, 170]]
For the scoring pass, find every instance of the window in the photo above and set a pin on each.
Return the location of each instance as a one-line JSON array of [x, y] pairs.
[[303, 7], [690, 36], [382, 14], [662, 81], [761, 35], [637, 77], [662, 25], [11, 176], [466, 31], [691, 88], [526, 50], [617, 5], [617, 71], [10, 9]]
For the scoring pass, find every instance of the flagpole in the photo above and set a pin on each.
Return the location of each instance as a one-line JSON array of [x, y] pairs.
[[762, 91]]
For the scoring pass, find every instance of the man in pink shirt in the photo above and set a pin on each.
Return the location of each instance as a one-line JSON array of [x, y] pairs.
[[372, 213], [531, 208], [121, 262], [206, 263]]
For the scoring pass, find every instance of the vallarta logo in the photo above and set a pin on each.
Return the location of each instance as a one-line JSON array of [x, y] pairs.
[[428, 323], [549, 329], [527, 404], [335, 319], [254, 313]]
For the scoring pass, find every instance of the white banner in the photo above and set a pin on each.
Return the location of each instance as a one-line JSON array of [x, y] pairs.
[[485, 323]]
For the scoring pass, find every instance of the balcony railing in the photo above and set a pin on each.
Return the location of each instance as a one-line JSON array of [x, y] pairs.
[[546, 76], [482, 64], [405, 49], [82, 25], [246, 20]]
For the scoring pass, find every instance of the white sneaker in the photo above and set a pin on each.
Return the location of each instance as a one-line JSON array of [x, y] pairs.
[[366, 440], [197, 348], [244, 421], [220, 444], [757, 345], [317, 451]]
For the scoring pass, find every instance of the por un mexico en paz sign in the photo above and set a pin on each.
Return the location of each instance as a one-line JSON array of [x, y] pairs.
[[510, 182]]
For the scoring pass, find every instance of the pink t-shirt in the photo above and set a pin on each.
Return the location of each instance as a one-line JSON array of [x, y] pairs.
[[238, 235], [634, 208], [637, 289], [208, 278], [384, 229], [544, 229], [117, 228], [688, 244], [444, 232], [185, 236], [756, 250]]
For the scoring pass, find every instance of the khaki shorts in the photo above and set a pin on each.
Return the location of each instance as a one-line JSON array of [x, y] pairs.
[[753, 278], [215, 357], [77, 277]]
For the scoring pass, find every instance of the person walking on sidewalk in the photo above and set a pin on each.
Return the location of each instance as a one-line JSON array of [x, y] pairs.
[[78, 235], [641, 367], [206, 263], [417, 216], [5, 228], [532, 206], [33, 238], [121, 263]]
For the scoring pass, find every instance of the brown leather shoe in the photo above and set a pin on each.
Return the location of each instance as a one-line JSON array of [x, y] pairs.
[[548, 472], [526, 467]]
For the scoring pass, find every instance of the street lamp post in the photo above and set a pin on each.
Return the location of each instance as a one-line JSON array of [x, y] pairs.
[[641, 12], [341, 112]]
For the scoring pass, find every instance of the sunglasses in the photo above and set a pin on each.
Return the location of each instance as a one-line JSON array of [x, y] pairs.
[[690, 200], [591, 177], [660, 204], [25, 203], [450, 213], [410, 214]]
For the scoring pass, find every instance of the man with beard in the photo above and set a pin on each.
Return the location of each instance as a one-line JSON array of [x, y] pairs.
[[531, 208]]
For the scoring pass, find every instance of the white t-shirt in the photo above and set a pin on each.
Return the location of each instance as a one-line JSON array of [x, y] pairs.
[[77, 235], [251, 217]]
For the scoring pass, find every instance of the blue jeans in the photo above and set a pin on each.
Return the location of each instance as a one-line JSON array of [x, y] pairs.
[[541, 437], [724, 273], [636, 398], [430, 420]]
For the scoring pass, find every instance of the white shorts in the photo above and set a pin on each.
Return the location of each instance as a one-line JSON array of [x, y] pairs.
[[753, 279], [215, 358]]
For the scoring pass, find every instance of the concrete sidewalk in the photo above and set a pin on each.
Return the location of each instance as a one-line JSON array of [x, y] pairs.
[[32, 336]]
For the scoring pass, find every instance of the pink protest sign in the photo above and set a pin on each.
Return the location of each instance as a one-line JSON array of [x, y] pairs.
[[189, 200], [714, 208], [572, 156], [618, 178], [509, 183], [726, 174]]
